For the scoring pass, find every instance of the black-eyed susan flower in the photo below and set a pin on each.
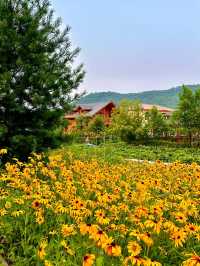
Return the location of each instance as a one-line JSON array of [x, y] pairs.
[[113, 250], [67, 230], [179, 237], [137, 261], [36, 204], [193, 261], [134, 248], [146, 238], [88, 260], [41, 250], [67, 248]]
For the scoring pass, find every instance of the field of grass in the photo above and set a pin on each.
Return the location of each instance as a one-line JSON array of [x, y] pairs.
[[71, 209], [116, 152]]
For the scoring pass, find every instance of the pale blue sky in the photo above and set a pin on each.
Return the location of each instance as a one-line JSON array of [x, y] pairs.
[[135, 45]]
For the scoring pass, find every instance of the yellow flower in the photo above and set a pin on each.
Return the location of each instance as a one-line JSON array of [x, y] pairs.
[[113, 250], [192, 228], [101, 217], [8, 205], [137, 261], [39, 216], [134, 233], [180, 217], [40, 219], [53, 232], [17, 213], [155, 225], [47, 263], [19, 201], [36, 204], [67, 248], [3, 151], [134, 248], [3, 212], [99, 235], [179, 237], [193, 261], [169, 226], [146, 237], [149, 262], [88, 228], [88, 260], [44, 243], [41, 251], [67, 230]]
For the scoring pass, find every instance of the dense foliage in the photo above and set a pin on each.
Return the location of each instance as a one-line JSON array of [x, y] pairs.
[[87, 213], [131, 123], [128, 121], [157, 124], [187, 115], [97, 125], [36, 75]]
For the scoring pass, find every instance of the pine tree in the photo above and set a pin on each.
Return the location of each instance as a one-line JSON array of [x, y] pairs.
[[37, 77]]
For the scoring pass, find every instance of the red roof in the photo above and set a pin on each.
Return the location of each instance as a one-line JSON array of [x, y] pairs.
[[92, 109], [89, 109]]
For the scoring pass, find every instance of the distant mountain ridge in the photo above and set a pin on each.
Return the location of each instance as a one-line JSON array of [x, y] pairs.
[[168, 98]]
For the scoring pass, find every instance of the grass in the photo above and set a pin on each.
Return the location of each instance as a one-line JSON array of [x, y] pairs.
[[116, 152]]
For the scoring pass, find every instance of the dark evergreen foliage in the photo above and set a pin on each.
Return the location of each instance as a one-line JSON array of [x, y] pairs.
[[37, 77]]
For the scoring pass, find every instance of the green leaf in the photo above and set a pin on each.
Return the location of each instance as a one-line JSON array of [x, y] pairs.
[[100, 261]]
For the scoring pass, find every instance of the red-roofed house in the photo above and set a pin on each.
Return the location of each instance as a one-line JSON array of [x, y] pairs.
[[90, 110], [105, 109], [167, 112]]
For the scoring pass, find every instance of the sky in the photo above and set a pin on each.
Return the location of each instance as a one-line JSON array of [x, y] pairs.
[[134, 45]]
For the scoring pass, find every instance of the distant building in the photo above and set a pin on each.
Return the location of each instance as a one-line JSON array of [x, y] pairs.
[[90, 110], [105, 110], [167, 112]]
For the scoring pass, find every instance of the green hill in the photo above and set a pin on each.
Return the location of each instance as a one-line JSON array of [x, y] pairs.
[[168, 98]]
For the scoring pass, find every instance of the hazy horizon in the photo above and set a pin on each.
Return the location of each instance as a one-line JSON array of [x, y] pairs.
[[134, 46]]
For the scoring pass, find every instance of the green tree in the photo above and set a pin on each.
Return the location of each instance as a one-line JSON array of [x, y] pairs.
[[97, 125], [188, 111], [37, 76], [128, 121], [156, 123], [82, 122]]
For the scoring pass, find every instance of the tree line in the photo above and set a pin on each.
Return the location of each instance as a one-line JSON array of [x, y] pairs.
[[130, 123]]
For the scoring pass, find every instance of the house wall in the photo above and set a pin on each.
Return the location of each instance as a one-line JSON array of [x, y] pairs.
[[71, 125], [106, 113]]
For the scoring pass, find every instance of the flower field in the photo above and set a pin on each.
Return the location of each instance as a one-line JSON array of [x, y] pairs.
[[56, 211]]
